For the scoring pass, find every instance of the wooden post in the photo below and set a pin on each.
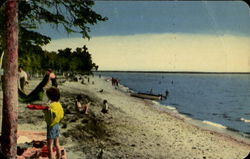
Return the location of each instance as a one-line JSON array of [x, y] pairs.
[[10, 77]]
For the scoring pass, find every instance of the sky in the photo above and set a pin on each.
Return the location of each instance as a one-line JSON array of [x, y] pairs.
[[207, 36]]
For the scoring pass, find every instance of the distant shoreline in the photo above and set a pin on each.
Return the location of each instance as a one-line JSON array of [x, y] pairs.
[[174, 72]]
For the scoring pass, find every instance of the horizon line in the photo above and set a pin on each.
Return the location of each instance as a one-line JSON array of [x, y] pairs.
[[188, 72]]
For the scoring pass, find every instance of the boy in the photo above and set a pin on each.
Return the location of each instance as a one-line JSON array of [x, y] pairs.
[[53, 116]]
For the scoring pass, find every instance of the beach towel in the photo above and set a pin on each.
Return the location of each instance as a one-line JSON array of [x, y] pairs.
[[37, 107], [36, 94]]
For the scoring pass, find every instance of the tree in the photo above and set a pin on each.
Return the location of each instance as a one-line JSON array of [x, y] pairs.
[[9, 119], [95, 67], [79, 60], [73, 16], [86, 59]]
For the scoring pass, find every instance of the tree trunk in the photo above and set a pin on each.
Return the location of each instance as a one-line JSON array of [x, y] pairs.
[[10, 96]]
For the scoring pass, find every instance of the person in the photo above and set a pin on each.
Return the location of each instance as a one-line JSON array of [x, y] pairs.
[[82, 81], [23, 78], [81, 108], [114, 82], [52, 78], [53, 116], [105, 106]]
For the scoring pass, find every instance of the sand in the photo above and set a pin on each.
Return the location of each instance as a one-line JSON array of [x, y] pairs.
[[133, 128]]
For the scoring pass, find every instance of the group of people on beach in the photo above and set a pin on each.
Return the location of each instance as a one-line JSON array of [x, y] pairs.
[[114, 81], [53, 114], [23, 78], [84, 108]]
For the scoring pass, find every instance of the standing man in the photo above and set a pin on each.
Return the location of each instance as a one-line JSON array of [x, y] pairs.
[[23, 78], [52, 78]]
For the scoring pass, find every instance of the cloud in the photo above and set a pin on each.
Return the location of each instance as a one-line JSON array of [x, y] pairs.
[[165, 52]]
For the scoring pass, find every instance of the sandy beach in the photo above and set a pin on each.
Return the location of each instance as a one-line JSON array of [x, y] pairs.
[[133, 128]]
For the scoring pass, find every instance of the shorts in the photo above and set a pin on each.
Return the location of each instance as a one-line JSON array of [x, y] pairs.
[[53, 132]]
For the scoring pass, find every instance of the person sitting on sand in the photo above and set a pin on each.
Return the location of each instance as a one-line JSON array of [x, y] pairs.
[[53, 116], [81, 107], [105, 106]]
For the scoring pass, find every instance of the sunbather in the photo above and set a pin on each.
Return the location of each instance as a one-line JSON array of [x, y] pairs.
[[81, 107], [105, 106]]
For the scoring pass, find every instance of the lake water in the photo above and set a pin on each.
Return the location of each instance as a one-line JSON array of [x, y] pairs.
[[216, 98]]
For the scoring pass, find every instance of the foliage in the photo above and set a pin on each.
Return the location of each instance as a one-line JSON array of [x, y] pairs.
[[79, 60], [65, 60], [73, 16]]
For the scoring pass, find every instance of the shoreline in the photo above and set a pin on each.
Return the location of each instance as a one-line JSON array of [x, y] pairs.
[[133, 128], [206, 125], [226, 136]]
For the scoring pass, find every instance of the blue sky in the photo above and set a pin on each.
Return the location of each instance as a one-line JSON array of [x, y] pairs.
[[212, 36], [130, 17], [140, 17]]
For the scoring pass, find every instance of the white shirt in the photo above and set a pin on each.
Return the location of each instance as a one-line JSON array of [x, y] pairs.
[[23, 74]]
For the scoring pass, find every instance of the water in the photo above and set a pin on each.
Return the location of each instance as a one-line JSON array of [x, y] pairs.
[[217, 98]]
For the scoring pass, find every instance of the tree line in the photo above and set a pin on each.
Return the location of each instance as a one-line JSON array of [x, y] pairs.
[[72, 16], [64, 60]]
